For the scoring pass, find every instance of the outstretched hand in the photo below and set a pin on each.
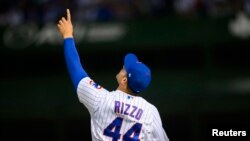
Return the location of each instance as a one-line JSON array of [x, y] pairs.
[[65, 26]]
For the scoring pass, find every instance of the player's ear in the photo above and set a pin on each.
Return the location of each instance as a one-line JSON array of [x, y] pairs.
[[124, 80]]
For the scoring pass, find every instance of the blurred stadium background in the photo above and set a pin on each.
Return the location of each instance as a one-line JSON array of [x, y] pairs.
[[198, 51]]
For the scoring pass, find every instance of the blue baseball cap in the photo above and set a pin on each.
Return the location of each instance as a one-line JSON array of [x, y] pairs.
[[138, 74]]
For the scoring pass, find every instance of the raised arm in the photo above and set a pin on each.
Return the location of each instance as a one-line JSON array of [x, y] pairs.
[[73, 63]]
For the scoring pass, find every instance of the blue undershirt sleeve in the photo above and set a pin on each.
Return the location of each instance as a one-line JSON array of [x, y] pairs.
[[73, 62]]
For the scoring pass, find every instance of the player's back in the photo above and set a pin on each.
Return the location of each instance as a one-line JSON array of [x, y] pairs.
[[122, 116], [119, 116]]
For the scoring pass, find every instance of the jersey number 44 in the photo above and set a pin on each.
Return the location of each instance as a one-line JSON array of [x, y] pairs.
[[113, 131]]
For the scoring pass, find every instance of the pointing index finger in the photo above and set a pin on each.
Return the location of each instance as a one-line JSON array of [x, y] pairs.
[[68, 15]]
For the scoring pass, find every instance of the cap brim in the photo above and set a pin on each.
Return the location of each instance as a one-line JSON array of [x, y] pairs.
[[129, 60]]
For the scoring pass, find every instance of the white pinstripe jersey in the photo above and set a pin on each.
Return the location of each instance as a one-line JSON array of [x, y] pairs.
[[119, 116]]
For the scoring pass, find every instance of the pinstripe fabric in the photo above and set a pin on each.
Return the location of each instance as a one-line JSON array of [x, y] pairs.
[[105, 107]]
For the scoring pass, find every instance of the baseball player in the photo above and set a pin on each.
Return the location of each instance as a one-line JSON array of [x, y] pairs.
[[120, 115]]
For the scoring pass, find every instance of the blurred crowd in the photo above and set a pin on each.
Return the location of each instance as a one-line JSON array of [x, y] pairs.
[[43, 11]]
